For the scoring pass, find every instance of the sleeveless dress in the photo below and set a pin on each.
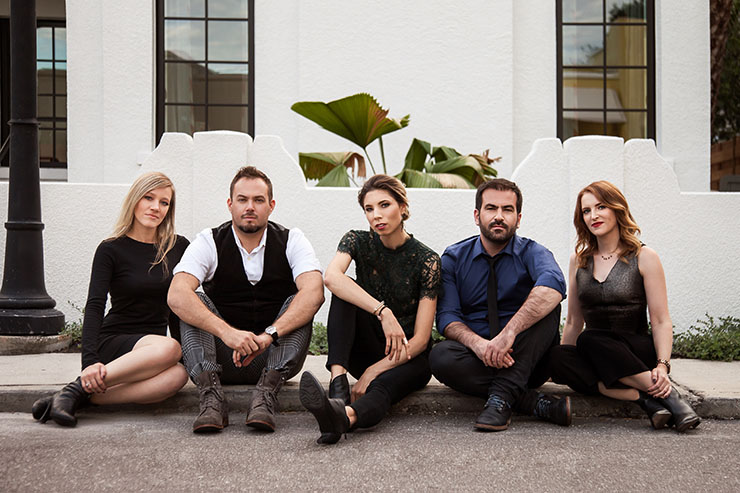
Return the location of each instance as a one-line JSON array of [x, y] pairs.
[[616, 342]]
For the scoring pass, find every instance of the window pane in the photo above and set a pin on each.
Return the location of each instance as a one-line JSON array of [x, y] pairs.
[[184, 83], [44, 78], [60, 73], [60, 146], [583, 88], [61, 106], [583, 11], [628, 124], [227, 83], [625, 45], [43, 43], [45, 106], [187, 119], [627, 88], [184, 40], [625, 10], [227, 8], [227, 40], [60, 43], [184, 8], [227, 118], [583, 45], [46, 146], [582, 123]]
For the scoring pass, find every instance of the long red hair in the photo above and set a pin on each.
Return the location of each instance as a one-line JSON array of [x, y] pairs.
[[612, 197]]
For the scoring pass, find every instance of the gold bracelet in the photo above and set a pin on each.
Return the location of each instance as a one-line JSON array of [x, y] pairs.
[[379, 307], [664, 362]]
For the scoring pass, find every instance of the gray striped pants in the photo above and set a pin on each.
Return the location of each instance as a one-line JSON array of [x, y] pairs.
[[203, 351]]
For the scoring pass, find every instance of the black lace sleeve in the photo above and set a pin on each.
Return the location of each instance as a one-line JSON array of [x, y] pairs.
[[349, 243], [430, 277]]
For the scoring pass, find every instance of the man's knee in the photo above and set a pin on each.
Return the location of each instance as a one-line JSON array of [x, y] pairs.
[[442, 359]]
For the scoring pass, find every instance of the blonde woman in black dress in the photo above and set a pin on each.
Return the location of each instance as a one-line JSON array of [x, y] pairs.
[[126, 355], [613, 282]]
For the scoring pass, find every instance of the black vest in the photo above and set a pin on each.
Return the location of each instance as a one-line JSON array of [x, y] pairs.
[[241, 304]]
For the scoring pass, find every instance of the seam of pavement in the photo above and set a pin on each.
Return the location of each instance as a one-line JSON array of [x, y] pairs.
[[712, 387]]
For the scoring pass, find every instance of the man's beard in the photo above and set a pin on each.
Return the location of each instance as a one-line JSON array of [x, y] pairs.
[[498, 239], [252, 228]]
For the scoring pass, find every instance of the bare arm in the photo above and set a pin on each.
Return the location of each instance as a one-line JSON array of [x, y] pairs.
[[574, 319], [660, 320], [541, 301], [307, 301]]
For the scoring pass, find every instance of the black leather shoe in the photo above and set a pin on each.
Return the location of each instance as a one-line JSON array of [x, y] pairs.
[[66, 402], [684, 418], [339, 388], [496, 415], [329, 413], [553, 409], [41, 409], [659, 416]]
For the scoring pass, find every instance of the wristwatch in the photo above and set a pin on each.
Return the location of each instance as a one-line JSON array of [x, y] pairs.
[[272, 332]]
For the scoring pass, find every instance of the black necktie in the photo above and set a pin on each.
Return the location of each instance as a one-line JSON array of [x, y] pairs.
[[493, 297]]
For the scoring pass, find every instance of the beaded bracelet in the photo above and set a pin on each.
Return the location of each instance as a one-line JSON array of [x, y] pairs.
[[666, 363]]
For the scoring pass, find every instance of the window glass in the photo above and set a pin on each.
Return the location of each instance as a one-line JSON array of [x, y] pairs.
[[227, 41], [228, 83], [583, 45], [51, 80], [185, 83], [188, 119], [625, 10], [184, 40], [583, 88], [44, 43], [227, 117], [583, 11], [228, 8], [184, 8], [629, 87]]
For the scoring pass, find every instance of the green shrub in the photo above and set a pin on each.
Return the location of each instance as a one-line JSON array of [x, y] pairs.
[[319, 343], [710, 340], [74, 329]]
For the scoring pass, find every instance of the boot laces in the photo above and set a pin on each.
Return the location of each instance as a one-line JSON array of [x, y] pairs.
[[543, 408], [496, 402]]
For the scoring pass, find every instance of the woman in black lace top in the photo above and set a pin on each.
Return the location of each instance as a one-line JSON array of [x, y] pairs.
[[613, 280], [126, 355], [380, 324]]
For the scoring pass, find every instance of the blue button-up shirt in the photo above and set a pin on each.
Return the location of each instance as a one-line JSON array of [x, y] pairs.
[[523, 265]]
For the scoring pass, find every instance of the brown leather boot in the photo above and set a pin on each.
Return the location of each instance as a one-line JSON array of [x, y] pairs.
[[214, 412], [264, 401]]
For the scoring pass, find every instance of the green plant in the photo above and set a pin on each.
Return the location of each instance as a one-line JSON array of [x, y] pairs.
[[443, 167], [710, 339], [358, 118], [74, 329], [319, 343], [330, 168]]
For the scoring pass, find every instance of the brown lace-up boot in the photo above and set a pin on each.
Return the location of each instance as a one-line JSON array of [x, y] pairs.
[[214, 412], [264, 401]]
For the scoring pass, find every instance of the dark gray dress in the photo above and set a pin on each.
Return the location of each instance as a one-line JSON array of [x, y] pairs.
[[616, 342]]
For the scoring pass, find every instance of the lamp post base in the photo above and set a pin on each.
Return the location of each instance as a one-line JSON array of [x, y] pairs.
[[28, 322]]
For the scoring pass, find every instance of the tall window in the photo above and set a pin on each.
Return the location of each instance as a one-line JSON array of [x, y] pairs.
[[51, 79], [205, 70], [606, 68]]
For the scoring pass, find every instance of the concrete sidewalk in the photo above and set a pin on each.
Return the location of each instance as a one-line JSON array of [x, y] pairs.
[[712, 387]]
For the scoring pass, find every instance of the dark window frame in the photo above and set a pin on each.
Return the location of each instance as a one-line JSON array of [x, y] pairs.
[[45, 123], [649, 65], [160, 67]]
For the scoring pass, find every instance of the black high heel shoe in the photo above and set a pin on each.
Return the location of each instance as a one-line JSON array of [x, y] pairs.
[[65, 403], [329, 413], [338, 389], [41, 409], [660, 417], [684, 417]]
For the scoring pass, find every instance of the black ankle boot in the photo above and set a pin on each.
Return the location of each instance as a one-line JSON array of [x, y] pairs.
[[41, 409], [66, 402], [329, 413], [659, 415], [550, 408], [684, 417], [339, 388]]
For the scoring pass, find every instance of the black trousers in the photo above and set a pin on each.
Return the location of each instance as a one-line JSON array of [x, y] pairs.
[[458, 367], [356, 342], [601, 356]]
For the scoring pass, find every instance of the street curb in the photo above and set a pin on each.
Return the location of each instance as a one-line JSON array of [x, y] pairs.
[[434, 399]]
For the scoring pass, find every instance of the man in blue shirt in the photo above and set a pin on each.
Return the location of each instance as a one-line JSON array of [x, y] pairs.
[[499, 310]]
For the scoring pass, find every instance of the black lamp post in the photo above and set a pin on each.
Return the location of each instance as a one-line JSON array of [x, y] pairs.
[[25, 307]]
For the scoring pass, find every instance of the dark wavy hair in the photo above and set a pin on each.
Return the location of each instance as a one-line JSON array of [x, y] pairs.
[[610, 196], [501, 184], [388, 184]]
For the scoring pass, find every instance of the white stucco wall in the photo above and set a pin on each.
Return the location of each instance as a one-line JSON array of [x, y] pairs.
[[110, 86], [679, 225], [474, 75]]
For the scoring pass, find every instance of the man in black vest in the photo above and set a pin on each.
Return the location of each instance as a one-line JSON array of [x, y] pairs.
[[262, 286]]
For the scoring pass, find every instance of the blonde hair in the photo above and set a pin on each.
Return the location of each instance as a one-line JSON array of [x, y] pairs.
[[165, 237], [610, 196]]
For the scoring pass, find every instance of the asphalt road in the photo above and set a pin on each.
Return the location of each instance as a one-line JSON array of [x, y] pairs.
[[133, 452]]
